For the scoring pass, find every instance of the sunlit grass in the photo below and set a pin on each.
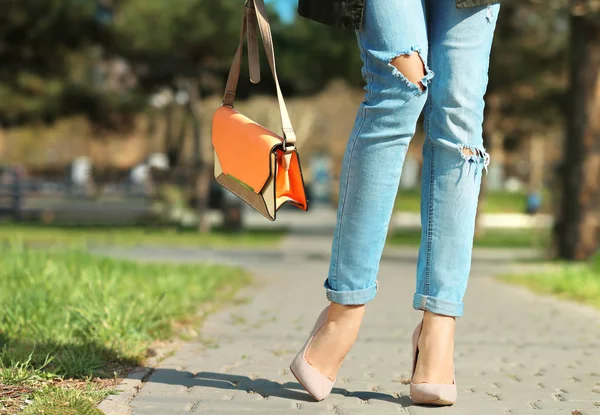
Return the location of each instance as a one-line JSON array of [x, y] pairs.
[[492, 238], [573, 281], [70, 315], [135, 235], [493, 202]]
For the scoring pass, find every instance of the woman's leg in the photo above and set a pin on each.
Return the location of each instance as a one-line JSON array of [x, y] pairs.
[[454, 161], [393, 45]]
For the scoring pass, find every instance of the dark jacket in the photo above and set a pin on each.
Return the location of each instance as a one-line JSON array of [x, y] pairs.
[[349, 13]]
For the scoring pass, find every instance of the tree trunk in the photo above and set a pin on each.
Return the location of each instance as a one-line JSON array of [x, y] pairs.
[[2, 144], [578, 226], [170, 149], [535, 186], [151, 132], [181, 137], [202, 175]]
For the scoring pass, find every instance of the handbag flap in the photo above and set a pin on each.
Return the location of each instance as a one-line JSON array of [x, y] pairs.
[[243, 147]]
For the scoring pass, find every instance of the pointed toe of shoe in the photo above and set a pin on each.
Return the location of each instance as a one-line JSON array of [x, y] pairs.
[[433, 394], [319, 392], [316, 384]]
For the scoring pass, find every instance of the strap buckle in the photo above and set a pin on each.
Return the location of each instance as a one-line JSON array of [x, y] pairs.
[[288, 150]]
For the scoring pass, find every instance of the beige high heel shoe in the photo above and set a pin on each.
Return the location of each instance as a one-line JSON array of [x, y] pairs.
[[315, 383], [429, 393]]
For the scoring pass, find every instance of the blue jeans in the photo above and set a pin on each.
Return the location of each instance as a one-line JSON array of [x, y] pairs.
[[454, 45]]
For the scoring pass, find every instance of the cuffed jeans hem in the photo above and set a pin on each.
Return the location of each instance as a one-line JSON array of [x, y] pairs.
[[357, 297], [437, 306]]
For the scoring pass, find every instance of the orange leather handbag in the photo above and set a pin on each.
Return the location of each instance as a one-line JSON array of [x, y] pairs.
[[259, 166]]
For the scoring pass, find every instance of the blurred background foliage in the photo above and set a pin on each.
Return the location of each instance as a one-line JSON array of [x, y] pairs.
[[120, 79], [51, 52]]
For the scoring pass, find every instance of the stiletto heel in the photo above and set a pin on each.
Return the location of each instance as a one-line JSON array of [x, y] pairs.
[[315, 383], [429, 393]]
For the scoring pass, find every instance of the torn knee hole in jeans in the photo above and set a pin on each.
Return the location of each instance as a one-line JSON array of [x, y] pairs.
[[474, 155], [489, 14], [409, 66]]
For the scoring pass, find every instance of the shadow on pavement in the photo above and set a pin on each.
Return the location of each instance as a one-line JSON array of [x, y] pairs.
[[263, 387]]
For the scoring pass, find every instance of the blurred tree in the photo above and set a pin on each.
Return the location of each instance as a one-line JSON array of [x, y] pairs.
[[311, 55], [528, 73], [528, 67], [578, 226], [47, 52], [175, 44], [177, 38], [527, 80]]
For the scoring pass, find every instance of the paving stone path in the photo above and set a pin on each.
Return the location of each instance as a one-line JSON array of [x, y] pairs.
[[516, 352]]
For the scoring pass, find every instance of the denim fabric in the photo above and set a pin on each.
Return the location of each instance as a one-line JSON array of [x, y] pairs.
[[454, 45]]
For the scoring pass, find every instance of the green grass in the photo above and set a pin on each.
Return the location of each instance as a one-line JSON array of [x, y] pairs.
[[518, 238], [573, 281], [134, 235], [494, 202], [71, 315], [64, 401]]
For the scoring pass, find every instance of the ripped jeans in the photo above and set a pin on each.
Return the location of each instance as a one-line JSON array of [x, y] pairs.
[[454, 46]]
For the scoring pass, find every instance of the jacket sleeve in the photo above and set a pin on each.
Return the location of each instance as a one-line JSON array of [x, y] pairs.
[[346, 14]]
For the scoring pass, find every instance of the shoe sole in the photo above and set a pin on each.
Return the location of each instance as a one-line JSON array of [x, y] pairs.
[[300, 382], [439, 402]]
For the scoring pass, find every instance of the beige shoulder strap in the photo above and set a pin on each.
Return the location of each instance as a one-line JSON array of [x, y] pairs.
[[256, 12]]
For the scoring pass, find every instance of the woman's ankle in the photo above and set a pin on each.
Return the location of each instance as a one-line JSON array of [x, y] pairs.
[[436, 327], [341, 312], [344, 319], [432, 318]]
